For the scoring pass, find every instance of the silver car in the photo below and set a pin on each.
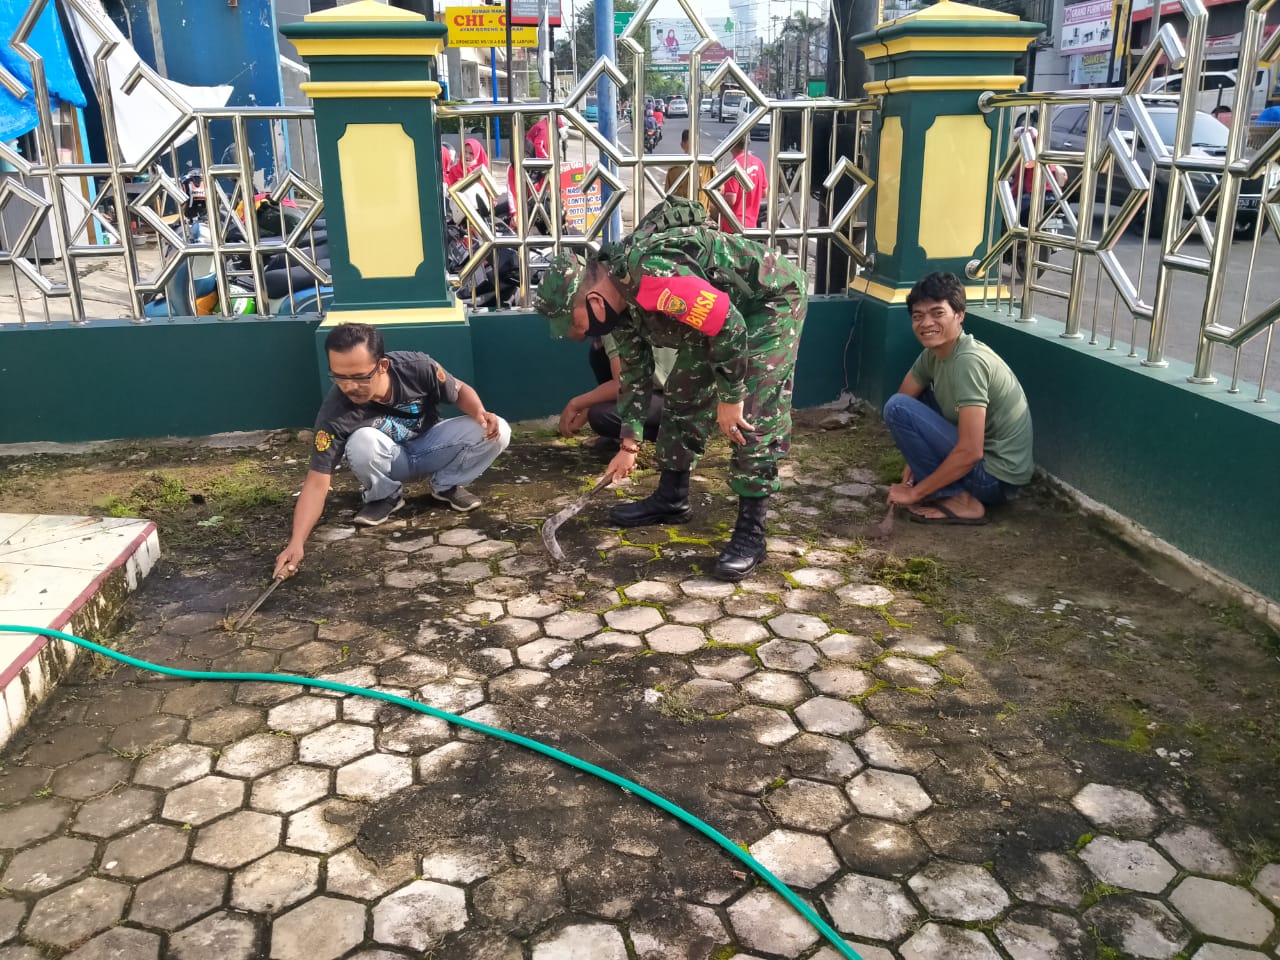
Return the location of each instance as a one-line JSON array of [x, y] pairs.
[[677, 107]]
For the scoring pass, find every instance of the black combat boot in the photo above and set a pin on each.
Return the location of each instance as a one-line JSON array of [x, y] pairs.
[[668, 504], [746, 546]]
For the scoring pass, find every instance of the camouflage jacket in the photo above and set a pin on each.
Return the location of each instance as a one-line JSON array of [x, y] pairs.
[[700, 291]]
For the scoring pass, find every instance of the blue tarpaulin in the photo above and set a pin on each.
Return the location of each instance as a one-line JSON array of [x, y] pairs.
[[19, 115]]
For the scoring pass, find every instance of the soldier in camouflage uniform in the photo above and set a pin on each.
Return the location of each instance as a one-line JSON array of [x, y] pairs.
[[733, 309]]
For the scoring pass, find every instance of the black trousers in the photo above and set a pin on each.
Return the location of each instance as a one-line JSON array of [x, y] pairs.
[[603, 417]]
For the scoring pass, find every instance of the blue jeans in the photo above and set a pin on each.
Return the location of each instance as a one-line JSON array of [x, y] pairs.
[[925, 437], [452, 452]]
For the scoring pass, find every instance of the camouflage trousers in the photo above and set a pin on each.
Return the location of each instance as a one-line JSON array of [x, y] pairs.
[[689, 414]]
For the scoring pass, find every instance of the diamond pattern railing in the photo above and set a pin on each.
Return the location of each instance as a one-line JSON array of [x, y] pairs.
[[109, 239], [1145, 166]]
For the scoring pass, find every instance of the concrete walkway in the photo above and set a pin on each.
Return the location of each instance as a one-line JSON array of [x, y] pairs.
[[824, 714]]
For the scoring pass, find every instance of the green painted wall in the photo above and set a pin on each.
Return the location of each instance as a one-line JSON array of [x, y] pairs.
[[114, 379], [1195, 465], [883, 348]]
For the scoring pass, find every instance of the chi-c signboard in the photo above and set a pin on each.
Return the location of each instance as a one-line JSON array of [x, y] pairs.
[[485, 27]]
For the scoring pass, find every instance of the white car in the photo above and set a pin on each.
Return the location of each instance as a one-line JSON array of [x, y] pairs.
[[1217, 88], [677, 107], [705, 105]]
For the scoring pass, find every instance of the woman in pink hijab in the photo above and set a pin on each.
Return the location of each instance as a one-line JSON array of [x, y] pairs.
[[473, 156], [447, 164]]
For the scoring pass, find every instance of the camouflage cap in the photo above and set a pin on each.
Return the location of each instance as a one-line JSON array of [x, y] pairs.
[[556, 292]]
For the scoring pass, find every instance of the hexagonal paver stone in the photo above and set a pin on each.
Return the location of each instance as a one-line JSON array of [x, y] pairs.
[[847, 648], [1114, 808], [49, 865], [226, 936], [905, 672], [694, 611], [1223, 911], [517, 682], [410, 546], [302, 715], [582, 941], [799, 626], [375, 777], [571, 625], [229, 723], [420, 915], [808, 805], [1267, 883], [469, 572], [463, 861], [352, 874], [892, 749], [738, 631], [700, 588], [830, 716], [116, 812], [1033, 933], [12, 913], [651, 591], [841, 682], [1053, 879], [500, 588], [325, 827], [891, 796], [256, 755], [174, 765], [513, 630], [201, 801], [460, 537], [32, 821], [1197, 850], [686, 931], [539, 653], [870, 907], [404, 579], [120, 944], [764, 921], [865, 595], [822, 758], [879, 847], [533, 607], [90, 776], [1131, 864], [797, 859], [75, 913], [146, 851], [177, 897], [1218, 951], [934, 940], [712, 697], [959, 892], [455, 695], [818, 578], [1137, 927], [610, 640], [321, 929], [768, 726], [720, 665], [277, 881], [781, 689], [238, 839], [788, 655], [289, 789], [676, 639], [519, 899], [633, 619], [336, 744]]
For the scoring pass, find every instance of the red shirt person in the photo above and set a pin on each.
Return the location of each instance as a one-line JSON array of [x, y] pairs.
[[745, 202]]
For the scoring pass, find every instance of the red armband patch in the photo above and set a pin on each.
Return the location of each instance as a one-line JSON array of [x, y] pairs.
[[690, 300]]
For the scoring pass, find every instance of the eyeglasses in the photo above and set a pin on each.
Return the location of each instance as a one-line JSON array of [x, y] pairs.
[[354, 377]]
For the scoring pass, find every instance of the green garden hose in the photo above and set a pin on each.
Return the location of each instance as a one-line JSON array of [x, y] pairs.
[[842, 948]]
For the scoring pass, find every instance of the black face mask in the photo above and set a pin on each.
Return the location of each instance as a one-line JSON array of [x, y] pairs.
[[598, 326]]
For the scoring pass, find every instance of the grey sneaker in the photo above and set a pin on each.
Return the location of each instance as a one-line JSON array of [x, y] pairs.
[[378, 511], [458, 497]]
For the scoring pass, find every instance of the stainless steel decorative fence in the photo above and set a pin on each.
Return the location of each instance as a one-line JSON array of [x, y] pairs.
[[1141, 220], [193, 221]]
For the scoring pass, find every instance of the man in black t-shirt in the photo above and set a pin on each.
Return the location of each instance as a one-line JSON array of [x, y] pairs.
[[382, 415]]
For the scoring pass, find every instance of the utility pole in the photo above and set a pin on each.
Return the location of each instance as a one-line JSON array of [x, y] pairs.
[[573, 40], [607, 108]]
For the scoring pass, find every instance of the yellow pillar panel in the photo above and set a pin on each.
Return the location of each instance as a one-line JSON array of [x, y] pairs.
[[953, 196], [378, 166], [888, 183]]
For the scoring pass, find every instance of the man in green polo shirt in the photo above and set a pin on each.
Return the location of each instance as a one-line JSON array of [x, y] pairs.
[[960, 418], [599, 407]]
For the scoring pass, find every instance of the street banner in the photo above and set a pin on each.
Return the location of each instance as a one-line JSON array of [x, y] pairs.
[[526, 13], [1088, 69], [581, 211], [670, 40], [485, 27], [1087, 27]]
